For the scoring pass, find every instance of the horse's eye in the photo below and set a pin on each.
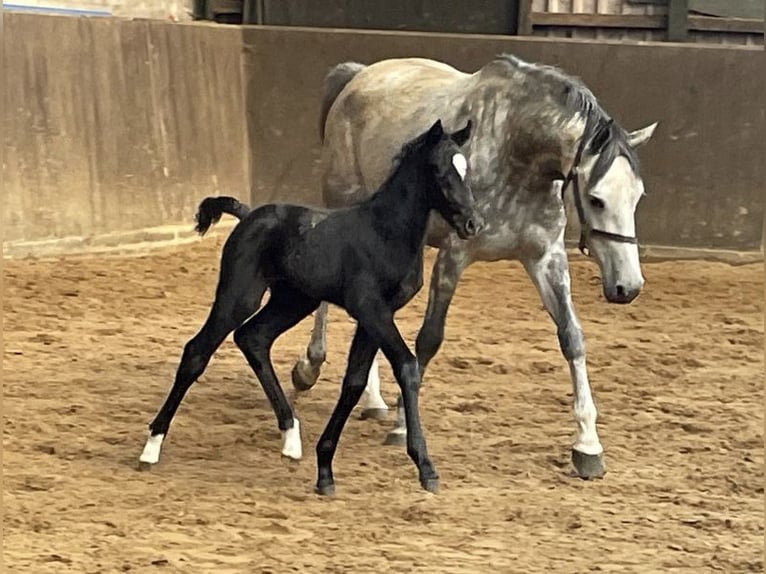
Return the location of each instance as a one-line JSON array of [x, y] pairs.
[[596, 203]]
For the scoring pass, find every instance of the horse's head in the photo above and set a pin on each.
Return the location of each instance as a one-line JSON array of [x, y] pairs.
[[607, 191], [449, 192]]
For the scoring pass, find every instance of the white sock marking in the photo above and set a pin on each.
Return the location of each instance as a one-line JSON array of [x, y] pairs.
[[372, 399], [151, 452], [461, 164], [291, 441], [585, 413]]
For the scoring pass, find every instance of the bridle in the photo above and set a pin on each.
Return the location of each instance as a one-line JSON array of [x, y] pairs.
[[586, 230]]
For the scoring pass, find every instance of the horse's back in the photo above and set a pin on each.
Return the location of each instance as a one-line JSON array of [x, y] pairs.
[[384, 105]]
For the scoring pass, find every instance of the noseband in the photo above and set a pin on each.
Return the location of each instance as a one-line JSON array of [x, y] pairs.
[[585, 228]]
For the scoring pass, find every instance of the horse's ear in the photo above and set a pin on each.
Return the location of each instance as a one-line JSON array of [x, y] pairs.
[[461, 136], [640, 137], [435, 133]]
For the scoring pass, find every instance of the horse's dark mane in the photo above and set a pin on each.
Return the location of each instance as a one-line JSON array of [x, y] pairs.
[[603, 134]]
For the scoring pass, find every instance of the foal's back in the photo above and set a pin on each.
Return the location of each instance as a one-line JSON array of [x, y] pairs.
[[316, 251]]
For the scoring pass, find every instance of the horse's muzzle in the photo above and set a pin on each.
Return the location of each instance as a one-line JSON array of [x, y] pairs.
[[620, 294], [470, 226]]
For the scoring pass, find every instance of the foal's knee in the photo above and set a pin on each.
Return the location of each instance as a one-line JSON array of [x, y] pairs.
[[193, 361], [409, 375], [249, 339]]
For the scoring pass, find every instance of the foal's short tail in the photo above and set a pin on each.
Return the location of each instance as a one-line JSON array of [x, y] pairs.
[[212, 208], [334, 82]]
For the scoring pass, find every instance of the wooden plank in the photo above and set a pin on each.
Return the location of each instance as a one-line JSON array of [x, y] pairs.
[[524, 21], [750, 9], [678, 13], [712, 24], [629, 21], [724, 8]]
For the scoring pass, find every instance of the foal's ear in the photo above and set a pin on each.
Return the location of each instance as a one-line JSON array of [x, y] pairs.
[[435, 133], [461, 136]]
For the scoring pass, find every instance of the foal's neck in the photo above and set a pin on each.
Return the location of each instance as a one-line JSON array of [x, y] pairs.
[[401, 207]]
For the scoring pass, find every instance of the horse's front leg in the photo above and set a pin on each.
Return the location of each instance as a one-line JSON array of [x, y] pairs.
[[450, 263], [550, 274]]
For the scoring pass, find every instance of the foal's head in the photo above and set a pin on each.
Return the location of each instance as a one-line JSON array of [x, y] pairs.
[[448, 191]]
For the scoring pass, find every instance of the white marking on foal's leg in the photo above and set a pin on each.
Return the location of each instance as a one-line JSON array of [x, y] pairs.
[[151, 452], [585, 413], [461, 164], [291, 441], [371, 398]]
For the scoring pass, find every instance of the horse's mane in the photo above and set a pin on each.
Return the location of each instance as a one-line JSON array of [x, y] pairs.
[[602, 134]]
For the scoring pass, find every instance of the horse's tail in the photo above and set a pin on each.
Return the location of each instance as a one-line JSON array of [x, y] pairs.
[[334, 82], [212, 208]]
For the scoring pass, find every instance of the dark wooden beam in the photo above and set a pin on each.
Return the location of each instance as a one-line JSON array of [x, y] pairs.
[[678, 14], [630, 21], [524, 18], [712, 24]]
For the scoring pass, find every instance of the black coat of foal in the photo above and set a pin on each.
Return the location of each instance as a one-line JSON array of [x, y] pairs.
[[367, 259]]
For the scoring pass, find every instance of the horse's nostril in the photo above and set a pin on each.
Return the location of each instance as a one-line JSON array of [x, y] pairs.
[[620, 290], [470, 227]]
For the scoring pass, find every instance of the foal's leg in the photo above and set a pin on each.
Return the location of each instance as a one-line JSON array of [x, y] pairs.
[[550, 274], [306, 370], [373, 405], [228, 311], [360, 357], [284, 310], [450, 263], [378, 320]]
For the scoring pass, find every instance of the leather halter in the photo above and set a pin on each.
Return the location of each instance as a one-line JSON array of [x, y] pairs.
[[585, 228]]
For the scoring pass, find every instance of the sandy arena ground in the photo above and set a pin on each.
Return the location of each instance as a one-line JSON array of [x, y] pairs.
[[91, 346]]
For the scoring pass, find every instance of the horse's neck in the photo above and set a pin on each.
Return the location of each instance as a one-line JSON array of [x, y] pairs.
[[400, 208]]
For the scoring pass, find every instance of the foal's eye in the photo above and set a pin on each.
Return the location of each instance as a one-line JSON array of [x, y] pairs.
[[596, 203]]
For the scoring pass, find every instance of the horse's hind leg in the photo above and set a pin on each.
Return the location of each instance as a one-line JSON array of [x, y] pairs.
[[306, 370], [284, 310], [228, 311]]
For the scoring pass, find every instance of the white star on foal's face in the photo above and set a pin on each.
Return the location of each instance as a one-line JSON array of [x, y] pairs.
[[461, 164]]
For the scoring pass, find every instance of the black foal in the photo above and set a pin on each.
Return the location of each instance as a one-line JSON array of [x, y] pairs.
[[367, 259]]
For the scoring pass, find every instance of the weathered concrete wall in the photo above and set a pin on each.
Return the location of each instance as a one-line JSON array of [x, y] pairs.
[[115, 125], [703, 169]]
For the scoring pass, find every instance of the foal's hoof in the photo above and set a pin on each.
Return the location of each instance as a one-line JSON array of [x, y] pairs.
[[374, 414], [327, 489], [304, 376], [430, 484], [588, 465], [144, 466], [397, 437]]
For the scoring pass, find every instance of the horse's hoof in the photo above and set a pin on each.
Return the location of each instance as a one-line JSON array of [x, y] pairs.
[[144, 466], [588, 465], [374, 414], [304, 376], [430, 484], [325, 489], [396, 437]]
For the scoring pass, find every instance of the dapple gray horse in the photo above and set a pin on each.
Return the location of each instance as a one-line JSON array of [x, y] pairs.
[[538, 133]]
